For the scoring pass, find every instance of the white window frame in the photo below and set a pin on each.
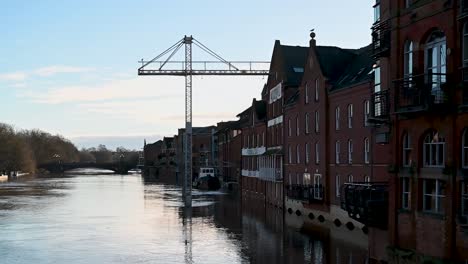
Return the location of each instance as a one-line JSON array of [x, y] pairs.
[[350, 116], [366, 112], [437, 195], [317, 88], [317, 122], [408, 60], [405, 193], [366, 179], [350, 151], [407, 149], [307, 120], [433, 142], [366, 151], [337, 152], [317, 153], [298, 154], [465, 44], [464, 199], [350, 178], [307, 153], [377, 88], [337, 185], [297, 126], [337, 118], [465, 149], [317, 183]]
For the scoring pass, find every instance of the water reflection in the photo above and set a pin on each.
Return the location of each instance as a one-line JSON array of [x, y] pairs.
[[88, 217]]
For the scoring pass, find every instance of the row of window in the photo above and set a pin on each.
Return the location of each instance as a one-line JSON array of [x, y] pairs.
[[366, 107], [316, 96], [351, 150], [306, 122], [307, 154], [433, 150], [252, 141], [337, 152], [433, 195]]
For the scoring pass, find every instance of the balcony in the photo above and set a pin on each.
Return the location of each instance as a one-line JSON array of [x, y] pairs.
[[306, 193], [366, 203], [379, 107], [381, 39], [423, 93]]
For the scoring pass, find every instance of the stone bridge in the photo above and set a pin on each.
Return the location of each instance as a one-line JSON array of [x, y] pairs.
[[117, 167]]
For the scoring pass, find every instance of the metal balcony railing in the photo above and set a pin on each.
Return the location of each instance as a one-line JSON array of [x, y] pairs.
[[308, 193], [381, 39], [366, 202], [379, 107], [422, 92]]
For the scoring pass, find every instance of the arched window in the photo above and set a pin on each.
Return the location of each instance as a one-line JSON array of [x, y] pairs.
[[366, 179], [436, 64], [318, 188], [350, 151], [289, 154], [317, 122], [337, 118], [434, 150], [407, 150], [317, 153], [306, 121], [350, 116], [366, 151], [408, 61], [307, 153], [307, 93], [350, 178], [465, 148]]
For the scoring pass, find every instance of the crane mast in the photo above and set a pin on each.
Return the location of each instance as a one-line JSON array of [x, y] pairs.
[[189, 68]]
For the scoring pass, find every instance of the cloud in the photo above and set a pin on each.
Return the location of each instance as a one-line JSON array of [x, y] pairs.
[[57, 69], [137, 88], [43, 72], [13, 76]]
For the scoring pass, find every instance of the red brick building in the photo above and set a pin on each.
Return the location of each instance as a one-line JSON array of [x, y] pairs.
[[253, 142], [421, 54], [229, 136]]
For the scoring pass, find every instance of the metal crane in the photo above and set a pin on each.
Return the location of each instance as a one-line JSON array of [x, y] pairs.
[[189, 68]]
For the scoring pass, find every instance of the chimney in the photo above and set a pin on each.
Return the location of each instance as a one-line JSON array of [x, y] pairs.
[[312, 42]]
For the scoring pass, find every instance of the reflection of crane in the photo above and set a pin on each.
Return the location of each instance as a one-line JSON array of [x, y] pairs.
[[188, 68]]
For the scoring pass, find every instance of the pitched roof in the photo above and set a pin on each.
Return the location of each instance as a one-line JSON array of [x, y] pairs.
[[294, 58], [334, 61], [357, 70]]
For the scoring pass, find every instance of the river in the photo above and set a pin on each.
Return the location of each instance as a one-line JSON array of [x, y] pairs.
[[90, 216]]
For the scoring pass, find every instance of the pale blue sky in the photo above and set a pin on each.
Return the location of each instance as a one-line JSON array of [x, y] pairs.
[[70, 67]]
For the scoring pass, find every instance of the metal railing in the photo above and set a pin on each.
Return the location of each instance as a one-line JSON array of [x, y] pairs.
[[309, 193], [381, 39], [421, 92], [380, 105]]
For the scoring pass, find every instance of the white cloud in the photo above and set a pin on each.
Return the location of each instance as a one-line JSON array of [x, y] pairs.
[[57, 69], [13, 76]]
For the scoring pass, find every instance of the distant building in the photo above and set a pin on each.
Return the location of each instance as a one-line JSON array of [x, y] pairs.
[[229, 136]]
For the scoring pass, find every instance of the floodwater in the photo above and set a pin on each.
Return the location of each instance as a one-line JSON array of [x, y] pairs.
[[90, 216]]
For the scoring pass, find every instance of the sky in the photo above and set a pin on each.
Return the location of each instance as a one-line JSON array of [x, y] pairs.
[[70, 67]]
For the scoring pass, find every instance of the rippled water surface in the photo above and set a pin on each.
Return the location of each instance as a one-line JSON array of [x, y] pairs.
[[91, 217]]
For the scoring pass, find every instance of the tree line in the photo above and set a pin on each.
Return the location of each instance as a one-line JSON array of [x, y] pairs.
[[24, 150]]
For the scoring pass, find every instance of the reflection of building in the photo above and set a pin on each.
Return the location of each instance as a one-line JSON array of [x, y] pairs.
[[421, 56]]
